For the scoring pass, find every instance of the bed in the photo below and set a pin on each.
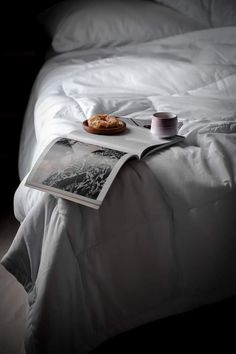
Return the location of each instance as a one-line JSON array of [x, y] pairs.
[[163, 241]]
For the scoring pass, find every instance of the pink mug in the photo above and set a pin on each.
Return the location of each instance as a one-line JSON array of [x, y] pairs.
[[164, 124]]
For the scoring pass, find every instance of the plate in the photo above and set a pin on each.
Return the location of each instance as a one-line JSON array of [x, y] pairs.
[[104, 131]]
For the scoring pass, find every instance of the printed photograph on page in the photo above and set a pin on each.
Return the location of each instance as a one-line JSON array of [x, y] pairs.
[[76, 167]]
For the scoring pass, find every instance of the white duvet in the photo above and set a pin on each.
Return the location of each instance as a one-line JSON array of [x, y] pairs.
[[164, 241]]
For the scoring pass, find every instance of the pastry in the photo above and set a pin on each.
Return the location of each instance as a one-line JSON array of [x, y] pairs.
[[101, 121]]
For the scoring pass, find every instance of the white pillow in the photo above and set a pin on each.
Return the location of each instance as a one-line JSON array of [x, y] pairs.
[[223, 13], [195, 9], [211, 13], [99, 24]]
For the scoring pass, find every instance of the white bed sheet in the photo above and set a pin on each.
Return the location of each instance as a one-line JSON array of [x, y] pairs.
[[164, 240]]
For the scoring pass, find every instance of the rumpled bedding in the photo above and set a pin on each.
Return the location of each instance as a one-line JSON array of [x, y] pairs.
[[163, 241]]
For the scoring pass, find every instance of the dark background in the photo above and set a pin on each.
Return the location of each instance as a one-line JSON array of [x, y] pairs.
[[23, 47]]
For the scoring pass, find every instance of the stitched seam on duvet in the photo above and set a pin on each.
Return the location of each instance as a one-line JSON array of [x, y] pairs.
[[175, 253], [62, 217], [31, 336]]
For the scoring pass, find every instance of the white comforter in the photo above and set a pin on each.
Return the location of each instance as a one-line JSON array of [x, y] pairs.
[[164, 240]]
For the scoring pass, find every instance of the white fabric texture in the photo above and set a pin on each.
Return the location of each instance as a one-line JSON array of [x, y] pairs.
[[211, 13], [195, 9], [163, 241], [110, 23]]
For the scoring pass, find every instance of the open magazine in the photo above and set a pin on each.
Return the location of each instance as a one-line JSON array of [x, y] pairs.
[[81, 167]]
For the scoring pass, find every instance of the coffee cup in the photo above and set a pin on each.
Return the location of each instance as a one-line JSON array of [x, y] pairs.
[[164, 124]]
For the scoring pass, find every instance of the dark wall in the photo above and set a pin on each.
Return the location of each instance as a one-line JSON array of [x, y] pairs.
[[23, 46]]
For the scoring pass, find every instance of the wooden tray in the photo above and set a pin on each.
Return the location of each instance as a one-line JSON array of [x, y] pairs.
[[104, 131]]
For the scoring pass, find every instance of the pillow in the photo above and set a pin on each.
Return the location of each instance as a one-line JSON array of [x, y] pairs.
[[195, 9], [211, 13], [223, 13], [93, 24]]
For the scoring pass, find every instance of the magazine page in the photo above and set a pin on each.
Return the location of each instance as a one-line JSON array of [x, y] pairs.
[[134, 140], [145, 123], [77, 171]]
